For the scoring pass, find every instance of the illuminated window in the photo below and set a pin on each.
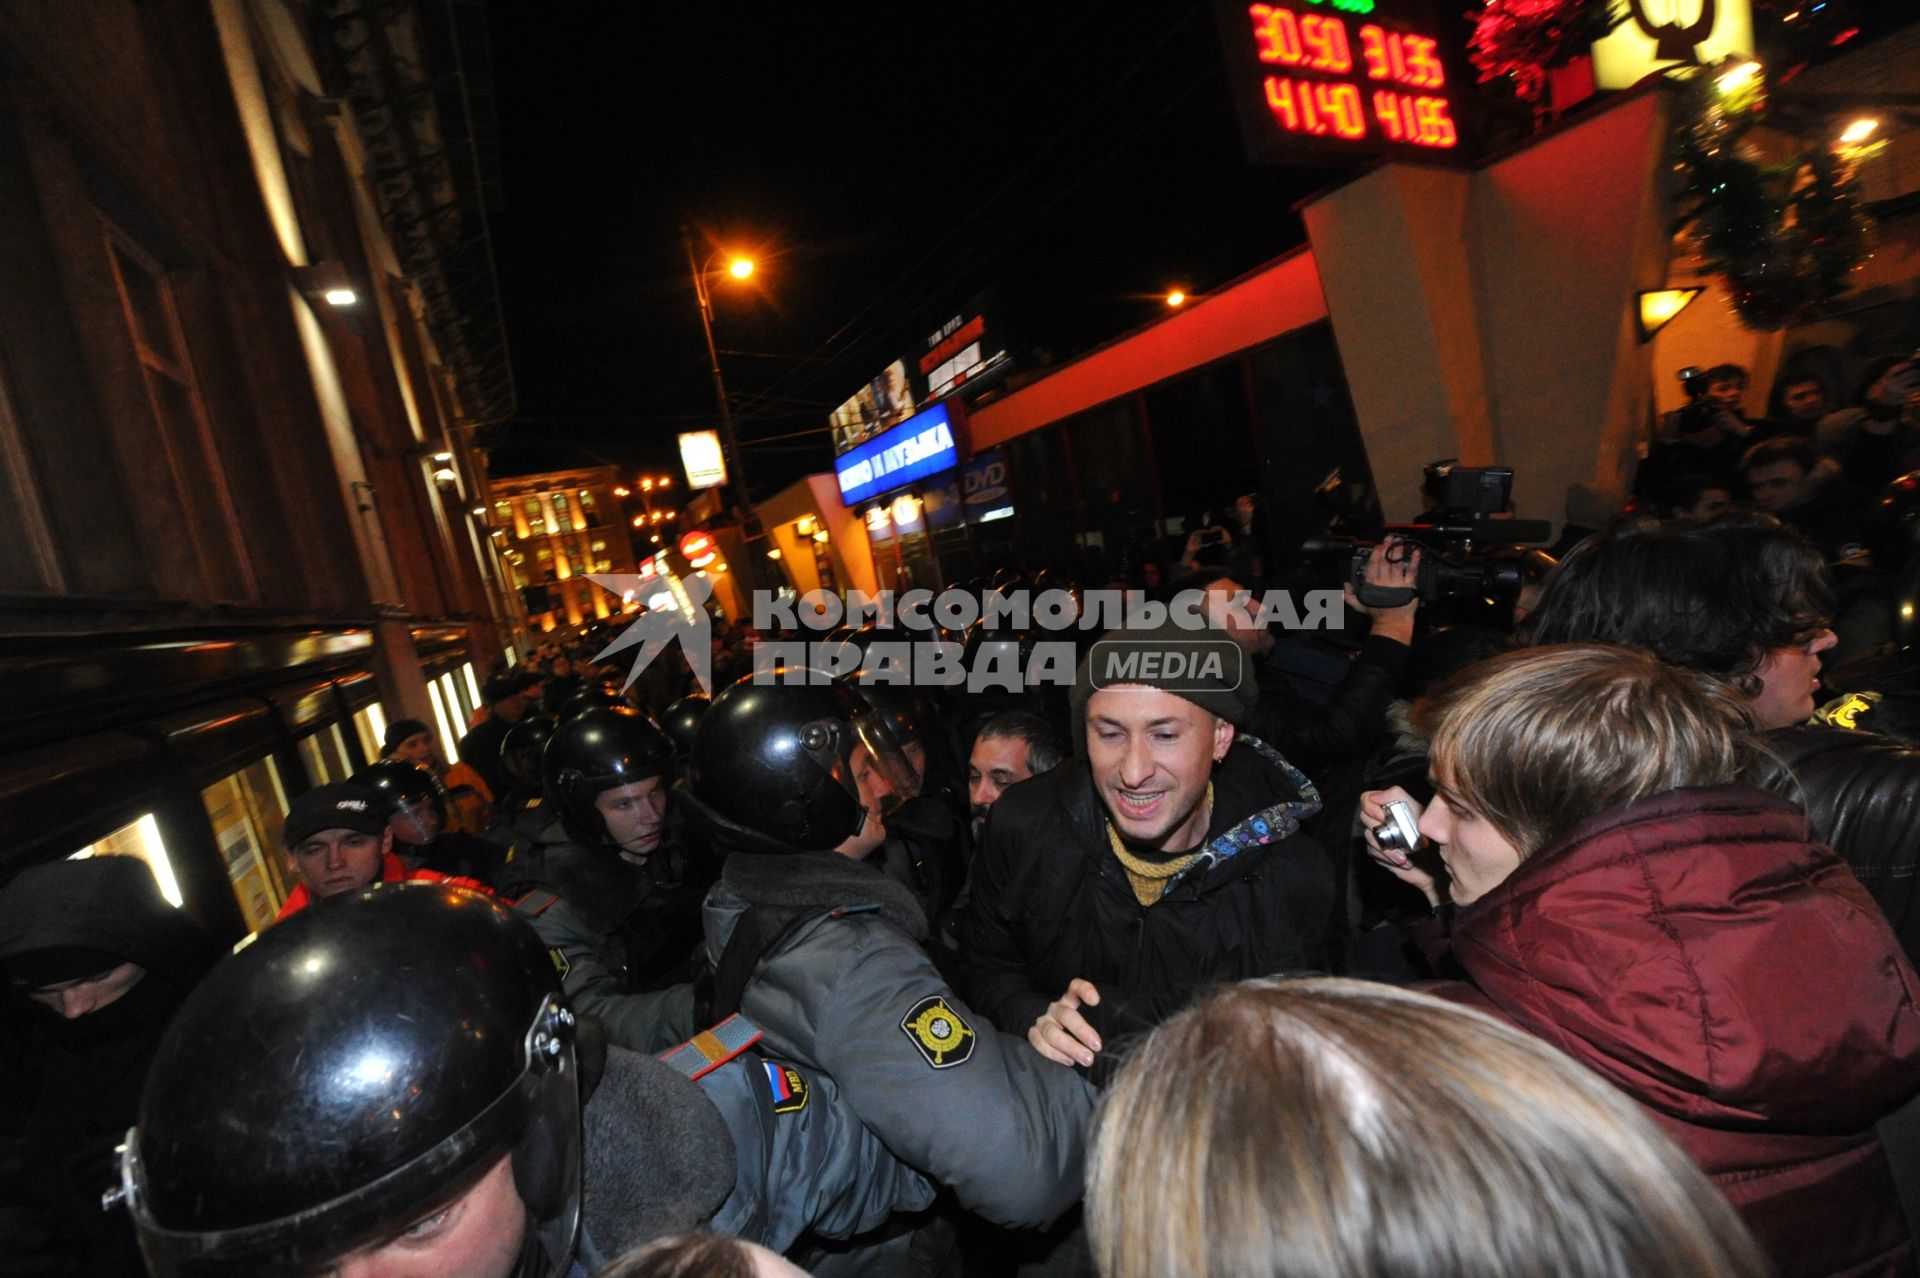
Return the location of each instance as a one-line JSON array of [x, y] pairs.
[[140, 840], [536, 516], [449, 738], [502, 514], [325, 754], [370, 724], [247, 810]]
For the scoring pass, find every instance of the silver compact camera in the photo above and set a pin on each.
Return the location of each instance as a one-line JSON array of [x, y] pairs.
[[1398, 833]]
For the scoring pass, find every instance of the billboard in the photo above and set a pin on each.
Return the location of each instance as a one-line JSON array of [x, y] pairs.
[[705, 461], [961, 354], [922, 445]]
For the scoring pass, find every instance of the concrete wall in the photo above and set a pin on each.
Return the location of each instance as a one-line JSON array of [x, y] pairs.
[[1487, 315]]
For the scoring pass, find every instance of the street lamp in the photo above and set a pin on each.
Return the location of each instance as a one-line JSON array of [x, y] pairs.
[[740, 268]]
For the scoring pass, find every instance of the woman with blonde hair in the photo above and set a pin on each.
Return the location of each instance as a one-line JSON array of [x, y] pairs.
[[1614, 885], [1338, 1129]]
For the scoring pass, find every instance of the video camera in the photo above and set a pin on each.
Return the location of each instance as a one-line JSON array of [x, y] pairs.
[[1699, 412], [1460, 537]]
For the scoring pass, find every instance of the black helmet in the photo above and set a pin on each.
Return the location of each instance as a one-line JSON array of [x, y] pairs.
[[771, 767], [592, 696], [522, 749], [682, 721], [402, 785], [340, 1074], [908, 710], [591, 753]]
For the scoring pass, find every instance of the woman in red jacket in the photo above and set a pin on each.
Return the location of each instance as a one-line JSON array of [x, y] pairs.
[[1612, 885]]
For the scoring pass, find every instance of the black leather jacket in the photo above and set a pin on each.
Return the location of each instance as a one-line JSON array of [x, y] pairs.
[[1862, 795]]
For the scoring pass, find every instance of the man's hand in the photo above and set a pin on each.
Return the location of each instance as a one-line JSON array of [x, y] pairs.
[[1061, 1034], [1394, 563]]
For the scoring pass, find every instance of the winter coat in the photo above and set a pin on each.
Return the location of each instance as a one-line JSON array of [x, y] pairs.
[[70, 1089], [610, 928], [1703, 953], [846, 989], [1051, 902]]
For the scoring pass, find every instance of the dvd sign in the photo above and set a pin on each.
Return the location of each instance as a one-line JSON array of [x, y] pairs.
[[986, 482]]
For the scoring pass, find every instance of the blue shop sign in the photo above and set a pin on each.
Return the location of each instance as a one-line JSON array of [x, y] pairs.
[[920, 446]]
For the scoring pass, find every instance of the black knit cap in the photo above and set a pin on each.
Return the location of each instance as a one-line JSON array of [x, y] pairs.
[[1204, 666]]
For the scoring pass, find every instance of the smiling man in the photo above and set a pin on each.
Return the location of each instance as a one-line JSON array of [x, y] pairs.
[[1167, 857]]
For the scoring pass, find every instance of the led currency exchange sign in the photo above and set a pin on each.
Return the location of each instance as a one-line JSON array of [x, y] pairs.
[[1334, 76]]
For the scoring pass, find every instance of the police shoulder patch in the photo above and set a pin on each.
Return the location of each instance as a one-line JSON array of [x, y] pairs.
[[788, 1086], [560, 963], [938, 1032]]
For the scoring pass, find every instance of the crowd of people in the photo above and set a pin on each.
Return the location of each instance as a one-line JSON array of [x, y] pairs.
[[1574, 936]]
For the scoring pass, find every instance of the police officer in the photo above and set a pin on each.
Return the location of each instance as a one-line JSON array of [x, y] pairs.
[[617, 903], [319, 1108], [824, 954], [417, 814]]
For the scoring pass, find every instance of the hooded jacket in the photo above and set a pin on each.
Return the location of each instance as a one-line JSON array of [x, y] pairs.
[[1051, 902], [69, 1090], [1702, 952]]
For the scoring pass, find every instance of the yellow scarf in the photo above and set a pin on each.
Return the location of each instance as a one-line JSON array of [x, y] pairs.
[[1149, 879]]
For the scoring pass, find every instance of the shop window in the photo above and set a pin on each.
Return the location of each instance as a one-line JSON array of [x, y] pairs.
[[1043, 500], [139, 839], [1115, 480], [449, 735], [1202, 447], [370, 724], [325, 754], [247, 810], [1312, 436]]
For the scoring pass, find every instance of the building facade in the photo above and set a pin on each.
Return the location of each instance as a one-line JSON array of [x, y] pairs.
[[248, 344], [554, 529]]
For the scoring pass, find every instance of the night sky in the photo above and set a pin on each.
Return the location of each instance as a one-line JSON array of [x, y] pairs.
[[882, 169]]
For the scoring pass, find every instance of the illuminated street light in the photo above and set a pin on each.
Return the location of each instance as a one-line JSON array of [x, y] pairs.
[[740, 268], [1176, 298], [646, 485], [1859, 131], [340, 297], [622, 492], [743, 499]]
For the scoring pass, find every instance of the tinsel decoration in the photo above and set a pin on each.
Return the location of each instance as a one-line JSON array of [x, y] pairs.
[[1525, 39], [1784, 236]]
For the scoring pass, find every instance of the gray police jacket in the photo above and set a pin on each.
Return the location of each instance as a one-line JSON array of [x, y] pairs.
[[757, 1148], [851, 994], [576, 901]]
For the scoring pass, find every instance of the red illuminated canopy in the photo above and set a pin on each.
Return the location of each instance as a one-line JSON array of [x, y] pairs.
[[1314, 79]]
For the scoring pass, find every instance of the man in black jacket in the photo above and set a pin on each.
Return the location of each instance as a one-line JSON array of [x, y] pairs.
[[97, 963], [1167, 857]]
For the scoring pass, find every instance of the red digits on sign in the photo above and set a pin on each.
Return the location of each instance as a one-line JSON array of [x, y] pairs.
[[1342, 106], [1424, 63], [1278, 34], [1280, 100], [1434, 123], [1386, 109], [1326, 42]]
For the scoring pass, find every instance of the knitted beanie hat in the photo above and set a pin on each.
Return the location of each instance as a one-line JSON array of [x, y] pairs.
[[1204, 666]]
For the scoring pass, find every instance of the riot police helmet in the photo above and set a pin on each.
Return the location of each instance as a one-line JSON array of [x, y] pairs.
[[592, 696], [351, 1071], [598, 750], [772, 763], [414, 798], [681, 722], [522, 749]]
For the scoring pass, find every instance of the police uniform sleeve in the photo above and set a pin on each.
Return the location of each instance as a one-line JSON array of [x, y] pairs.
[[649, 1021], [978, 1111], [806, 1164]]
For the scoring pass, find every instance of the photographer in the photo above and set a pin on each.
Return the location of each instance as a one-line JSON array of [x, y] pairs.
[[1616, 885], [1705, 437]]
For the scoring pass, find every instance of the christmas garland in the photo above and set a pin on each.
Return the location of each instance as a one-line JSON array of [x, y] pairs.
[[1784, 236]]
